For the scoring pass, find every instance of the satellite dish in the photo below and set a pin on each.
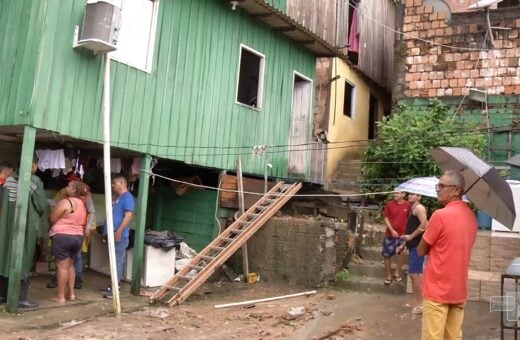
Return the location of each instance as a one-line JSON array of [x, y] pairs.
[[480, 4]]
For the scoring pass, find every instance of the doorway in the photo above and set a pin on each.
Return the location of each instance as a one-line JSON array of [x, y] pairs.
[[301, 110]]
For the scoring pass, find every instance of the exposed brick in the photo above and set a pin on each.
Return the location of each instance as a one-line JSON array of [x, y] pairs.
[[457, 91], [464, 91], [427, 25], [501, 71], [468, 65], [436, 84], [436, 24], [409, 77], [430, 33], [409, 3], [448, 92], [416, 18], [500, 90], [407, 93], [412, 85], [509, 89], [444, 83], [515, 80], [432, 92], [517, 22], [413, 68], [461, 82], [487, 72], [459, 65], [449, 74], [457, 57], [465, 73], [415, 51], [474, 73], [441, 15], [409, 60], [448, 31], [448, 57], [420, 85], [507, 81], [440, 92], [479, 82], [513, 34], [488, 82], [453, 83], [497, 81], [418, 2], [457, 74], [422, 34], [429, 9], [407, 19], [432, 59], [419, 10], [424, 76]]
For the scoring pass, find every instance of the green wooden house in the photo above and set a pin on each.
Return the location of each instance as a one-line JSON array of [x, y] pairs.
[[199, 81]]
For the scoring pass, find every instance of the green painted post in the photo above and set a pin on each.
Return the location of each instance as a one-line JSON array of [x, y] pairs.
[[20, 222], [142, 202]]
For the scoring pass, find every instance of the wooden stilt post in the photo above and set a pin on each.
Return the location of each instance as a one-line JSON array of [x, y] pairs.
[[241, 209], [20, 220], [142, 203]]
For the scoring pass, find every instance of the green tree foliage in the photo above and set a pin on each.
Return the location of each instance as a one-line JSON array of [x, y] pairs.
[[404, 139]]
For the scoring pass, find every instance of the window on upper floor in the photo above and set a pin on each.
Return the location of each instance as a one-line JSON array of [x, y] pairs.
[[349, 100], [250, 78], [136, 41]]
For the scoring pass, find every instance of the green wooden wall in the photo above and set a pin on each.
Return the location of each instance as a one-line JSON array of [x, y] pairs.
[[184, 109], [504, 111], [278, 4], [191, 215]]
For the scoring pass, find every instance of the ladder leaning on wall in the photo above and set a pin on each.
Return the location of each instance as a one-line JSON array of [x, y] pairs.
[[180, 286]]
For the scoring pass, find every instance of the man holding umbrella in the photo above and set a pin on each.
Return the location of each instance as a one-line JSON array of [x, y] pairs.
[[447, 241]]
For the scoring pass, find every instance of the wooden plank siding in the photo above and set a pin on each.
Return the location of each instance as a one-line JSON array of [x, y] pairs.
[[376, 42], [329, 19], [184, 109]]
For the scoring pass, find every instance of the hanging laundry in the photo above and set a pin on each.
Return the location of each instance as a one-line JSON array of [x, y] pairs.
[[50, 159], [136, 166], [353, 37], [115, 165]]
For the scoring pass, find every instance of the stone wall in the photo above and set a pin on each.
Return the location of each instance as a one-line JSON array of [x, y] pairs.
[[299, 251]]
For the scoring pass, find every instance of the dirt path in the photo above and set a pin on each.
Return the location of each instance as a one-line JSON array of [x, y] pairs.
[[351, 315]]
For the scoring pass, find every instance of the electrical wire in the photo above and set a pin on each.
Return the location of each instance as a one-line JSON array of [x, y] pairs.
[[200, 186], [431, 42]]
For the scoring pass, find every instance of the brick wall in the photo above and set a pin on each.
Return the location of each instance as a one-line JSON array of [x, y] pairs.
[[437, 71]]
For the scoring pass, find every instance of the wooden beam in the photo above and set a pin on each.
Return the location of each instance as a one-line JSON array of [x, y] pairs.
[[20, 219], [142, 203], [241, 209]]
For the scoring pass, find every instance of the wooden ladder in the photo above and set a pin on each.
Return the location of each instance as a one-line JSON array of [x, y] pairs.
[[182, 285]]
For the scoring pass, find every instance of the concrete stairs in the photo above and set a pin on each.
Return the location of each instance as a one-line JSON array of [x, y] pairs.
[[346, 177], [367, 272]]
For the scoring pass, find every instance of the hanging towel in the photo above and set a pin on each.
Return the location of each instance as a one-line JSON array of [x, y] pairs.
[[115, 165], [50, 159], [353, 38]]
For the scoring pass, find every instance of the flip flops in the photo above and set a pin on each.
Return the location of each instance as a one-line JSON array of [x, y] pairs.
[[387, 281], [398, 278]]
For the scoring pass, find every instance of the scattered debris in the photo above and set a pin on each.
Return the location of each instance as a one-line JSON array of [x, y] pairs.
[[160, 313], [295, 313], [331, 297], [346, 327]]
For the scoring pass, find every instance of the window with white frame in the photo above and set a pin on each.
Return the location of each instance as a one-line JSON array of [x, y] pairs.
[[250, 78], [136, 40], [349, 100]]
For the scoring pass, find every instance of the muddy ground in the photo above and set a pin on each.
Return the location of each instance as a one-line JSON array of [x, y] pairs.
[[338, 313]]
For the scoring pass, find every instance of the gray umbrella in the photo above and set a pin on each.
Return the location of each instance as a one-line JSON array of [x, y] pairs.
[[484, 186]]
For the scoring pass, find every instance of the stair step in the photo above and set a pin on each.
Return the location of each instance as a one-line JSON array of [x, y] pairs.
[[373, 285], [372, 253], [373, 269]]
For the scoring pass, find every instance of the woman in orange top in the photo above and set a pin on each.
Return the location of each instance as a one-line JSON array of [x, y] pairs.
[[69, 219]]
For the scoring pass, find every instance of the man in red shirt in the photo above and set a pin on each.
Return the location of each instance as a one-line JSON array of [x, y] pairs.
[[395, 213], [447, 241]]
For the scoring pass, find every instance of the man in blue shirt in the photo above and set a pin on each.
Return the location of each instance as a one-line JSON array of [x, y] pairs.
[[122, 211]]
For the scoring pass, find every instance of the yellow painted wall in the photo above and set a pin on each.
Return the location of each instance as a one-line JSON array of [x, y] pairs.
[[343, 128]]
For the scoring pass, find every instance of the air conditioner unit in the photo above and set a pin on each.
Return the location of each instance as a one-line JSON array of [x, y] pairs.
[[101, 25]]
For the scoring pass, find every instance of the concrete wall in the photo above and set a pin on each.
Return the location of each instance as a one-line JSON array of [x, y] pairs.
[[299, 251]]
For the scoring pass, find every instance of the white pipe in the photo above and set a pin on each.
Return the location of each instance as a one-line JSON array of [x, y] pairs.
[[311, 292], [108, 184]]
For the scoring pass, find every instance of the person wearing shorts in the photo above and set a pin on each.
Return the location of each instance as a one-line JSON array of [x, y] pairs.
[[415, 226], [448, 241], [395, 214], [69, 219]]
